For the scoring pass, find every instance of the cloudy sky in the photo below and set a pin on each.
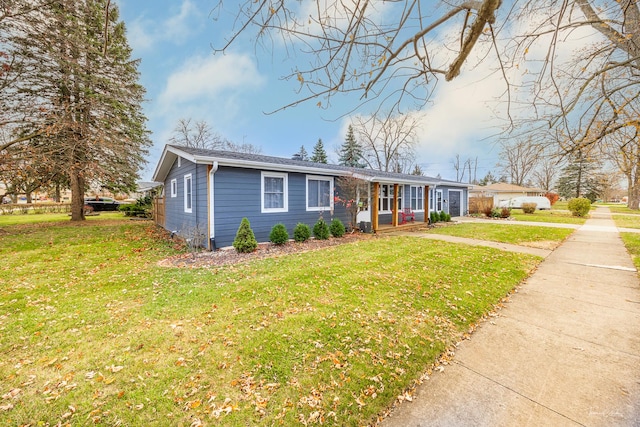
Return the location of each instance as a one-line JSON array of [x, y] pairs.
[[232, 92]]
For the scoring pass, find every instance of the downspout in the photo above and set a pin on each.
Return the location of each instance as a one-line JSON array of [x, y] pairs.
[[210, 211]]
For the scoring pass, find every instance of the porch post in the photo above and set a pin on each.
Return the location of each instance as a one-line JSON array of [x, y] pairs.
[[374, 207], [426, 203], [394, 209]]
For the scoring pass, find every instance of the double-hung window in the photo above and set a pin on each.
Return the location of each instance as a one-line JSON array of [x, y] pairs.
[[385, 202], [174, 188], [274, 192], [438, 200], [188, 194], [319, 193], [417, 198]]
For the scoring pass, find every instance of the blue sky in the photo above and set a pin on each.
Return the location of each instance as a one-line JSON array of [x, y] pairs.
[[232, 92]]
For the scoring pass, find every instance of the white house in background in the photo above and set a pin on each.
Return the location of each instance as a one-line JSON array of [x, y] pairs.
[[501, 191]]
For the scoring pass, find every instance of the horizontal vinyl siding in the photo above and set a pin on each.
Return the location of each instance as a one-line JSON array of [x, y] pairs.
[[237, 193], [176, 218]]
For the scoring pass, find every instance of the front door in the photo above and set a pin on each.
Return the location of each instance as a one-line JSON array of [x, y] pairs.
[[454, 203]]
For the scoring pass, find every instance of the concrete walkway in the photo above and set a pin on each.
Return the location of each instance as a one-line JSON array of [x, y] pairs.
[[565, 351]]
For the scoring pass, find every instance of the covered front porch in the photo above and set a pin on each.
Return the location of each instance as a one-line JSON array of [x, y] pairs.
[[394, 206]]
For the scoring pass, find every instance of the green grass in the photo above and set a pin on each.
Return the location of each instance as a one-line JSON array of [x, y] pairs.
[[632, 243], [627, 221], [505, 233], [94, 331], [553, 215]]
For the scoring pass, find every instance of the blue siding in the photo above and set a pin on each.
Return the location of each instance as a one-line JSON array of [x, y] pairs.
[[176, 219], [237, 195]]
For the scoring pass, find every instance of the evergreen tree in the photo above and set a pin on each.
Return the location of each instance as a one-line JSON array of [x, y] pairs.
[[580, 178], [319, 154], [81, 84], [351, 152], [417, 170], [301, 155]]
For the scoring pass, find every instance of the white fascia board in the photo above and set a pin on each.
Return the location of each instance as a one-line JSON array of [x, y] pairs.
[[270, 166]]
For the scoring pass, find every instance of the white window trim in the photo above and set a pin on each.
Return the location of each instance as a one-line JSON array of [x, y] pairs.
[[441, 194], [188, 209], [174, 188], [319, 178], [179, 161], [401, 194], [285, 189], [417, 187]]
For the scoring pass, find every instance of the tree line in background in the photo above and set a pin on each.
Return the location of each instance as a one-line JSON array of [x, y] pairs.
[[70, 102]]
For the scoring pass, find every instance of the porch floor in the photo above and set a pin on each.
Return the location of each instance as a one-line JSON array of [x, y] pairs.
[[408, 226]]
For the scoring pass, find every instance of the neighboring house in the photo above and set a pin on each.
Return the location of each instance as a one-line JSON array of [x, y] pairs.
[[500, 191], [211, 191]]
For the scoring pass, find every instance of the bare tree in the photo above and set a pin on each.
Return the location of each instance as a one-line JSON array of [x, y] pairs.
[[518, 160], [352, 48], [388, 141], [188, 133]]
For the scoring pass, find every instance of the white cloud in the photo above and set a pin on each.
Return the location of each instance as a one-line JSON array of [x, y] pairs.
[[144, 32], [210, 77]]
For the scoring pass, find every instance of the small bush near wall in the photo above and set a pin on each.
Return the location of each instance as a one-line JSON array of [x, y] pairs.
[[321, 230], [337, 228], [579, 206], [434, 217], [301, 233], [529, 208], [505, 212], [443, 216], [279, 234], [245, 240]]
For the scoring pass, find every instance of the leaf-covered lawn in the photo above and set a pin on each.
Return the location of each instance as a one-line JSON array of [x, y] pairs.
[[93, 332], [505, 233]]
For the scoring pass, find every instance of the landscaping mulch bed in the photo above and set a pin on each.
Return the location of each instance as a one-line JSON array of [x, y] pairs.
[[228, 256]]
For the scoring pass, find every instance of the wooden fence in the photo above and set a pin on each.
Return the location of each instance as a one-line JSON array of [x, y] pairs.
[[158, 210], [480, 204]]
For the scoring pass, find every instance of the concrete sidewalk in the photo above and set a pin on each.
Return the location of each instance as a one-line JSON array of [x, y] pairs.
[[565, 351]]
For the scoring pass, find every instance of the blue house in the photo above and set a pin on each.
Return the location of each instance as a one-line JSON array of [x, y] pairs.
[[211, 191]]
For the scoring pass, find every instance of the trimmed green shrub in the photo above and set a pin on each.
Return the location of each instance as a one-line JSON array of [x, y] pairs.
[[447, 218], [529, 208], [301, 233], [579, 206], [321, 230], [434, 217], [443, 216], [279, 234], [245, 240], [337, 228]]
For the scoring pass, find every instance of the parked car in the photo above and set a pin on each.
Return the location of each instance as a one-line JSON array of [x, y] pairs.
[[102, 203], [540, 201]]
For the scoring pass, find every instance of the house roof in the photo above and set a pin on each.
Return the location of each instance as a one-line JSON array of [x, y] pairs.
[[260, 161], [503, 187]]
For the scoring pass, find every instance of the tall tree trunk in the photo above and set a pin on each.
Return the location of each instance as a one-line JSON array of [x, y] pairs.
[[77, 196]]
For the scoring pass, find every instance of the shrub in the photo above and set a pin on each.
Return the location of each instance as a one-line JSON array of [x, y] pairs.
[[529, 208], [488, 211], [579, 206], [443, 216], [301, 233], [505, 212], [495, 213], [447, 217], [279, 234], [245, 240], [553, 198], [337, 228], [434, 217], [321, 230]]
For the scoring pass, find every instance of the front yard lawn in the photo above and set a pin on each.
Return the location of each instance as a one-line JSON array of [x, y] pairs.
[[553, 216], [95, 332], [506, 233]]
